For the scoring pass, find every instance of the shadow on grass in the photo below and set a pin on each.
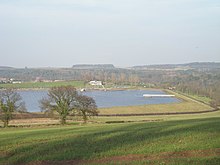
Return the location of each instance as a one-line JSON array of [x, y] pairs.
[[74, 143], [20, 135]]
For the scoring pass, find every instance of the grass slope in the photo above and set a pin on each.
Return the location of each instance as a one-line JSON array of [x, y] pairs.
[[186, 141], [202, 99], [29, 85]]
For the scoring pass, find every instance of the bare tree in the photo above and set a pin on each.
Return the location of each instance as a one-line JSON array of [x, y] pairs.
[[10, 101], [113, 78], [122, 78], [61, 100], [86, 106]]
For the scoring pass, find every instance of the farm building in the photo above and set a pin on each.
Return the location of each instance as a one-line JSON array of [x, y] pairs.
[[95, 82]]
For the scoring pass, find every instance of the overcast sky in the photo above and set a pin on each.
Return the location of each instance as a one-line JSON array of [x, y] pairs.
[[60, 33]]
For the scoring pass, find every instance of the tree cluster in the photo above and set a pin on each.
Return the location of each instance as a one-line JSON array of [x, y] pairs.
[[10, 102], [65, 101]]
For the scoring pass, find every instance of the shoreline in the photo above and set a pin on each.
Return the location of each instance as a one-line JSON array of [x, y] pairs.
[[90, 89]]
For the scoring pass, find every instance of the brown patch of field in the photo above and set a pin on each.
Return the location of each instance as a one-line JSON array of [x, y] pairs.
[[164, 156], [33, 121]]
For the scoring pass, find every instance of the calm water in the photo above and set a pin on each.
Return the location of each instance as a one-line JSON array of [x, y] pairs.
[[102, 98]]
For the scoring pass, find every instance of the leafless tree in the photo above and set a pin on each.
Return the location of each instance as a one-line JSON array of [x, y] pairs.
[[86, 106], [10, 102], [61, 100]]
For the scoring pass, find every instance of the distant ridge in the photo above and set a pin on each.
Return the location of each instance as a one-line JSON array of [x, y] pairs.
[[5, 67], [194, 65], [93, 66]]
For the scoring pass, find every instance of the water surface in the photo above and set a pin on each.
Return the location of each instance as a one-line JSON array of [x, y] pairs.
[[104, 99]]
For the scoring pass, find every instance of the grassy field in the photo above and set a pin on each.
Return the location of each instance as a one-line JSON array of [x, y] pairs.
[[152, 118], [183, 140], [163, 108], [26, 85], [203, 99], [166, 139]]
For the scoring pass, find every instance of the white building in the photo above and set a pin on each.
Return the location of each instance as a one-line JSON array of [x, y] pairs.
[[95, 82], [16, 82]]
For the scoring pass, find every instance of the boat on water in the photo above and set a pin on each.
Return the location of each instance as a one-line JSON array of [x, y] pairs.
[[82, 90], [157, 95]]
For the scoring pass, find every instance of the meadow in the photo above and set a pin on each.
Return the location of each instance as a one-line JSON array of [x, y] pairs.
[[176, 141], [154, 139], [37, 85], [203, 99]]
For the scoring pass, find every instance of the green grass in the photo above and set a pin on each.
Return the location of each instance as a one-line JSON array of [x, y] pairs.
[[162, 142], [203, 99], [29, 85], [153, 118], [168, 139], [162, 108]]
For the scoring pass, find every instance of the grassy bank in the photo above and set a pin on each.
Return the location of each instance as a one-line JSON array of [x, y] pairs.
[[42, 122], [202, 99], [185, 141], [153, 118], [167, 139], [31, 85]]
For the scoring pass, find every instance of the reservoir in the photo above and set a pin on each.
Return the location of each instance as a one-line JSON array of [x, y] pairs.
[[104, 99]]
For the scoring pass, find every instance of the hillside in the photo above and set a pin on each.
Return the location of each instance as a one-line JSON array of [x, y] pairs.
[[183, 141], [93, 66], [5, 67], [195, 65]]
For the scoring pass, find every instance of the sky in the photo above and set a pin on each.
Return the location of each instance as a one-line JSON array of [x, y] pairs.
[[61, 33]]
